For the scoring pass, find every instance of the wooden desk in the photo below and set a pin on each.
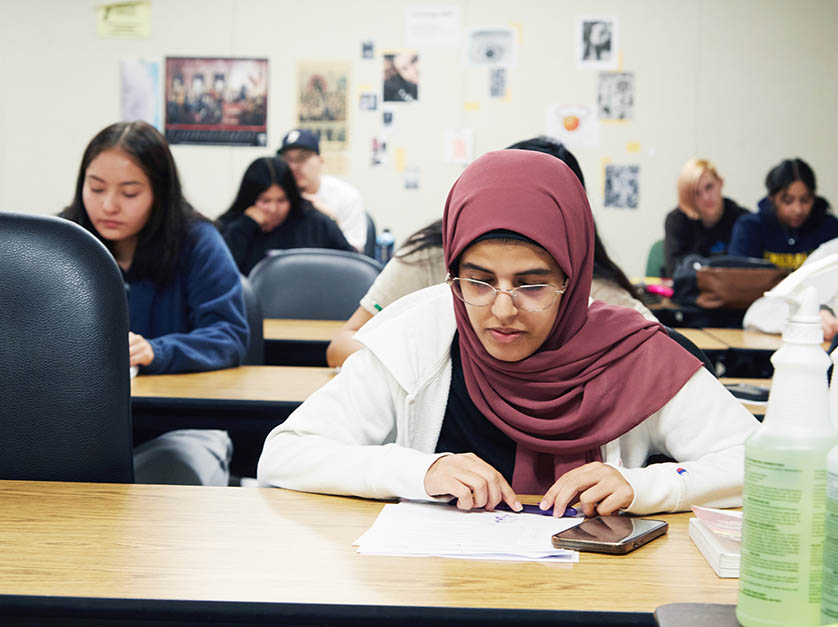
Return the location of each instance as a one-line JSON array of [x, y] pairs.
[[247, 402], [702, 339], [756, 410], [298, 342], [269, 545], [741, 339]]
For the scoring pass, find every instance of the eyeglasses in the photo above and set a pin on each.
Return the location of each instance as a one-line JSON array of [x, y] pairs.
[[527, 297]]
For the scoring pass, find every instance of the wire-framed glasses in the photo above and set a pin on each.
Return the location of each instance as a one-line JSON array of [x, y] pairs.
[[527, 297]]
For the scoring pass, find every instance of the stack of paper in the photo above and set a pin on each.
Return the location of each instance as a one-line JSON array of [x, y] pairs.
[[718, 535], [428, 529]]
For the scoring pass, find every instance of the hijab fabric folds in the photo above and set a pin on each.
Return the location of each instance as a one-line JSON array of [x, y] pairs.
[[601, 371]]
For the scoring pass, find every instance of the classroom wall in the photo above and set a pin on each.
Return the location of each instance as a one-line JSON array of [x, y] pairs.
[[743, 83]]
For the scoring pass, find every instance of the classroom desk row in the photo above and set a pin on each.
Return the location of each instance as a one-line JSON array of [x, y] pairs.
[[263, 555]]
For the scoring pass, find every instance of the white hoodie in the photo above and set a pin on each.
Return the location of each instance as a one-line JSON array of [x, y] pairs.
[[372, 430]]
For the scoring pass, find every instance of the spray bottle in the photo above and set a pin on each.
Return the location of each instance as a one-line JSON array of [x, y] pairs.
[[785, 478], [829, 603]]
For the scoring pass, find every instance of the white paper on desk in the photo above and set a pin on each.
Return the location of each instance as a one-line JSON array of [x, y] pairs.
[[428, 529]]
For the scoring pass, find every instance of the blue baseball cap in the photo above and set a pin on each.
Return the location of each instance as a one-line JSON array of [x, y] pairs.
[[299, 138]]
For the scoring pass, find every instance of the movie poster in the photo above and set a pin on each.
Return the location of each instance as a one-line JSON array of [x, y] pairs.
[[218, 101], [322, 102]]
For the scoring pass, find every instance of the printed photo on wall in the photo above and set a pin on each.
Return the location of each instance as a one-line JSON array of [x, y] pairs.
[[367, 49], [368, 101], [216, 101], [378, 151], [411, 178], [616, 95], [401, 76], [139, 96], [492, 46], [596, 43], [386, 118], [497, 82], [322, 92], [622, 186], [574, 125], [458, 145]]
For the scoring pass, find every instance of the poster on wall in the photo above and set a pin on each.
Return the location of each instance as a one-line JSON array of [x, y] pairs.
[[322, 103], [458, 145], [129, 18], [216, 101], [400, 77], [497, 82], [139, 93], [622, 186], [596, 43], [433, 26], [574, 125], [492, 46], [616, 95]]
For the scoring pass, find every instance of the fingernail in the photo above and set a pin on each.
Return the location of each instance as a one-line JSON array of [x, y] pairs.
[[543, 505], [517, 506]]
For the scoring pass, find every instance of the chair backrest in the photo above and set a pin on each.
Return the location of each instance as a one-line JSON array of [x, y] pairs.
[[255, 354], [65, 390], [655, 260], [688, 344], [312, 283], [369, 247]]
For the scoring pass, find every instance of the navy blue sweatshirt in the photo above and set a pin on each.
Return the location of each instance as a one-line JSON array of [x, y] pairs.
[[196, 321], [762, 235]]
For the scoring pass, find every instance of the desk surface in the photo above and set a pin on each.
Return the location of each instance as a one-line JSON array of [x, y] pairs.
[[300, 330], [250, 544], [702, 339], [245, 383]]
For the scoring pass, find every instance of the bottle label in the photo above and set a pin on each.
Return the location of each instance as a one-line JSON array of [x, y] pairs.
[[829, 608], [782, 536]]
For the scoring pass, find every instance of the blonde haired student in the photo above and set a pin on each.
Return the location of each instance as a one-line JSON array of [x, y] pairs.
[[508, 380], [703, 221]]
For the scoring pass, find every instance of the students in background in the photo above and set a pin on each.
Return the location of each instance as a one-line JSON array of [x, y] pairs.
[[419, 263], [506, 381], [792, 220], [330, 195], [269, 213], [185, 297], [703, 221]]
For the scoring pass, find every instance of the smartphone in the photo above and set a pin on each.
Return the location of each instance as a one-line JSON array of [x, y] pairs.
[[748, 392], [610, 534]]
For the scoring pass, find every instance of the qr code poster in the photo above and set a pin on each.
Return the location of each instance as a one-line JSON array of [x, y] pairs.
[[616, 95], [622, 186]]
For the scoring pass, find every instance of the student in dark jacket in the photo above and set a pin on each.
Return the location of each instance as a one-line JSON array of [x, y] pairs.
[[703, 221], [269, 213], [185, 298], [792, 220]]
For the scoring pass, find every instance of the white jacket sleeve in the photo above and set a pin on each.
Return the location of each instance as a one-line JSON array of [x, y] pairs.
[[342, 440], [704, 428]]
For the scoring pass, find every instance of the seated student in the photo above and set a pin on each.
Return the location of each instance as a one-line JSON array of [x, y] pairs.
[[184, 294], [269, 213], [507, 381], [702, 222], [330, 195], [792, 220], [419, 263]]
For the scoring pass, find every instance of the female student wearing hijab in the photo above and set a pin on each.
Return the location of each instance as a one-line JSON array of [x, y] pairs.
[[420, 263], [792, 220], [185, 302], [506, 381], [269, 213]]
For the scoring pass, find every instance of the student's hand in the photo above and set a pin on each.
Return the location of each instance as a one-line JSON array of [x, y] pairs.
[[829, 324], [470, 480], [265, 218], [139, 350], [600, 488], [318, 204]]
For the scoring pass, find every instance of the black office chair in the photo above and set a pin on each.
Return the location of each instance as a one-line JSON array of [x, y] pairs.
[[312, 283], [65, 392], [255, 355], [688, 344], [369, 246]]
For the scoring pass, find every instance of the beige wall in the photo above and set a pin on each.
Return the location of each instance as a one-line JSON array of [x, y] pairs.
[[744, 83]]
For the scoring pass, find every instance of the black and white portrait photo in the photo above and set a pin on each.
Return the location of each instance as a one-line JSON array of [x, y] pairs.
[[615, 99], [401, 76], [596, 43], [622, 186]]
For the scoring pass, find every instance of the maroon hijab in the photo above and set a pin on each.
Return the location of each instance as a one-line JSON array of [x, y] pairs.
[[601, 371]]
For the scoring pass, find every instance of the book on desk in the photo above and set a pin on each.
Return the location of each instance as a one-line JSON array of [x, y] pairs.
[[723, 554]]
